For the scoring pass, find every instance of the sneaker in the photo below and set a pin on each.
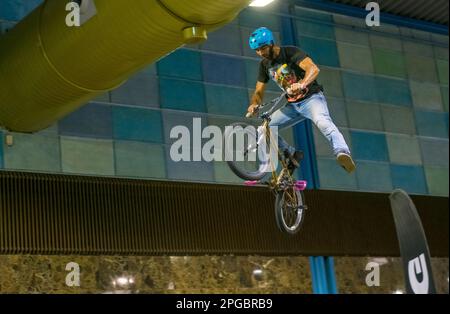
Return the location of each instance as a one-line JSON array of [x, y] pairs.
[[293, 160], [346, 162]]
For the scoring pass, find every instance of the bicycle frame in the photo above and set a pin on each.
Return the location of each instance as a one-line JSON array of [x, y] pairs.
[[277, 182]]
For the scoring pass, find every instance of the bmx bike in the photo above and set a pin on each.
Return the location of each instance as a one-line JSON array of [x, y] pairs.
[[260, 143]]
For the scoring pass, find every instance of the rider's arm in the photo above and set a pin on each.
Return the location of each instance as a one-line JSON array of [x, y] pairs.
[[311, 72], [257, 97]]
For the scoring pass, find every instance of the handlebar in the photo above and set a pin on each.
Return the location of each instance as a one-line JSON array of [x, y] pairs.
[[272, 103], [249, 114]]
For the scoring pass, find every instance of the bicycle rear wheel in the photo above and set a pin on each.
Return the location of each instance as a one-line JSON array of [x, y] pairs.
[[289, 210], [241, 152]]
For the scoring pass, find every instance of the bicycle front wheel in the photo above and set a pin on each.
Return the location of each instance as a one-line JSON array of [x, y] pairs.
[[289, 210], [241, 152]]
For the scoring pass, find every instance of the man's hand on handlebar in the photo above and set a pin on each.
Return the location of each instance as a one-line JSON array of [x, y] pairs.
[[297, 87], [252, 109]]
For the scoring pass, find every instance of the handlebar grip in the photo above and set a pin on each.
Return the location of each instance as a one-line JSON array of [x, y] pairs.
[[249, 114]]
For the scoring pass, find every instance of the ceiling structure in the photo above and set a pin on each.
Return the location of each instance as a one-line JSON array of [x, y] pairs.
[[434, 11]]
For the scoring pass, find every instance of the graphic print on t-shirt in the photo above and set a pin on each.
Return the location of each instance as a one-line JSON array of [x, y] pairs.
[[284, 76]]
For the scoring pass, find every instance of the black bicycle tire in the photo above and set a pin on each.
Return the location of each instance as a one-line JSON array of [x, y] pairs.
[[279, 214], [256, 175]]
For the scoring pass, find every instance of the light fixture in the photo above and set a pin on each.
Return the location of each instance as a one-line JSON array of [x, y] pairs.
[[260, 3], [122, 281], [397, 292]]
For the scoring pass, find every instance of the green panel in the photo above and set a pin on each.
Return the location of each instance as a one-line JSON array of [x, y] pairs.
[[409, 178], [182, 95], [351, 36], [442, 67], [254, 18], [422, 69], [417, 34], [437, 38], [404, 149], [419, 49], [321, 51], [137, 159], [223, 174], [435, 152], [389, 63], [86, 156], [319, 16], [441, 53], [226, 100], [33, 152], [226, 39], [137, 124], [331, 81], [393, 91], [332, 176], [386, 28], [355, 57], [432, 123], [426, 95], [181, 63], [314, 29], [139, 90], [348, 20], [366, 116], [374, 177], [359, 87], [189, 170], [437, 180], [398, 120], [385, 42]]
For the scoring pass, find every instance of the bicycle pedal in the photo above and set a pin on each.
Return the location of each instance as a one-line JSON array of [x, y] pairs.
[[300, 185]]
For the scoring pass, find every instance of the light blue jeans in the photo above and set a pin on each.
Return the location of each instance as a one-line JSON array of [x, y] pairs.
[[313, 108]]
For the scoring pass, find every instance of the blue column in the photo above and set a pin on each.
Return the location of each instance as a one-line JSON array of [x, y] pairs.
[[314, 281], [322, 275], [330, 275]]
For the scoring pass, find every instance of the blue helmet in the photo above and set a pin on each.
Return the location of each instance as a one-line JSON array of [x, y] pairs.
[[260, 37]]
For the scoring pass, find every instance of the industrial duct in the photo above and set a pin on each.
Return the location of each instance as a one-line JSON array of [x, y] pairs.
[[48, 69]]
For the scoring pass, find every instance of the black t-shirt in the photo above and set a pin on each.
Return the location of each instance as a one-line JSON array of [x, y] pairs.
[[284, 70]]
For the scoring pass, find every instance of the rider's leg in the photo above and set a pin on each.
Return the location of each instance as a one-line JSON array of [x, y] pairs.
[[315, 108], [283, 118]]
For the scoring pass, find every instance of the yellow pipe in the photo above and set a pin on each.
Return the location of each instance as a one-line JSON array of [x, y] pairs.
[[48, 70]]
